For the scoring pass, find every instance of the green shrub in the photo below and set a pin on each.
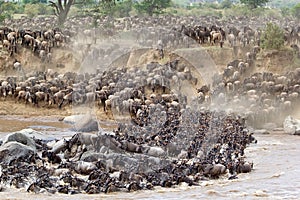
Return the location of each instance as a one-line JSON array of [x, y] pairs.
[[31, 10], [2, 18], [7, 10], [212, 5], [285, 11], [152, 7], [254, 3], [44, 9], [237, 10], [272, 37], [296, 11], [74, 11], [123, 9], [226, 4]]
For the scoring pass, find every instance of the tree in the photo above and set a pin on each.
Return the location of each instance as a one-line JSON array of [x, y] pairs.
[[152, 6], [61, 9], [7, 9], [296, 11], [105, 7], [285, 11], [254, 3], [123, 8], [34, 1], [226, 4], [272, 37]]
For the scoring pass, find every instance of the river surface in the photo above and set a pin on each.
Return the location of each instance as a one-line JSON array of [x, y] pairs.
[[276, 173]]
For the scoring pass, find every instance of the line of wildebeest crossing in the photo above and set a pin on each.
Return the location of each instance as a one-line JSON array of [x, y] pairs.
[[170, 138]]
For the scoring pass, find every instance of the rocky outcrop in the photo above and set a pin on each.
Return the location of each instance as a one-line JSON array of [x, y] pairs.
[[13, 150], [82, 123], [291, 125]]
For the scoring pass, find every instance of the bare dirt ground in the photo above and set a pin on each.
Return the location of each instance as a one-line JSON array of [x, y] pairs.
[[32, 63]]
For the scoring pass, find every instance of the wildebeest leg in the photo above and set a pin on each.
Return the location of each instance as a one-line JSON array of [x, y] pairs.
[[70, 102], [60, 104], [153, 88], [103, 103], [161, 53], [221, 44]]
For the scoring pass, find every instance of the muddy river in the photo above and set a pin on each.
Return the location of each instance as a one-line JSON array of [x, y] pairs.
[[276, 173]]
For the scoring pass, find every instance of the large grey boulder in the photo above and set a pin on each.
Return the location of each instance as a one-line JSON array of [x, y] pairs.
[[82, 123], [20, 144], [291, 125], [36, 134], [153, 151], [13, 150], [22, 138], [73, 119], [92, 156]]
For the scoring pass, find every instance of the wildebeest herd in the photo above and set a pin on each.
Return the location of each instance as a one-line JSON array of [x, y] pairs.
[[171, 138], [42, 34], [38, 41]]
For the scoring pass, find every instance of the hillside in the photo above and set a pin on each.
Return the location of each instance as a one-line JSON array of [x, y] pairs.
[[63, 59], [273, 61]]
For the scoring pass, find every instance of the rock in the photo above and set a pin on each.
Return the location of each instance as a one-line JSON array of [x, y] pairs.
[[121, 161], [21, 137], [92, 156], [82, 123], [153, 151], [291, 125], [87, 126], [83, 167], [150, 163], [133, 162], [36, 135], [14, 150], [73, 119]]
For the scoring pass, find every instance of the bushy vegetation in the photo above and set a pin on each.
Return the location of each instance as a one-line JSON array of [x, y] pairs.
[[254, 3], [296, 11], [32, 10], [152, 7], [272, 37], [119, 9], [8, 9], [124, 8]]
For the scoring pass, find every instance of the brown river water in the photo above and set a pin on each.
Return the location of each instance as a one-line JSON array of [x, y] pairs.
[[276, 173]]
